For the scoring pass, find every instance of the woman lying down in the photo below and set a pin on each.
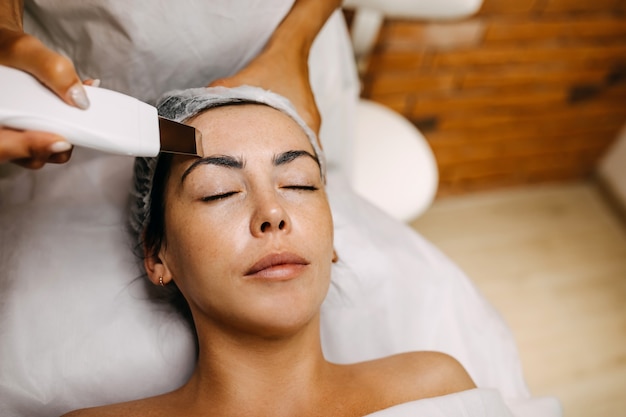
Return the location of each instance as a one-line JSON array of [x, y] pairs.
[[241, 241]]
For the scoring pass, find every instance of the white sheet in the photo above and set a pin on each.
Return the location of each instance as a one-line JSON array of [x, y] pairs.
[[71, 309], [473, 403]]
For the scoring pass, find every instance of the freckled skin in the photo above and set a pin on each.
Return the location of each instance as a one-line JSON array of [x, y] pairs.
[[228, 234]]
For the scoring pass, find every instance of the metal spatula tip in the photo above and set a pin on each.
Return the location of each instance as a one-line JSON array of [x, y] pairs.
[[180, 138]]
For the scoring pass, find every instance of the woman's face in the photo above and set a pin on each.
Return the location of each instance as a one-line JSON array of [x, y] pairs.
[[248, 229]]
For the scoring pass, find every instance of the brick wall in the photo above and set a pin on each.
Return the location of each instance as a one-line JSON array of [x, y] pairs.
[[526, 91]]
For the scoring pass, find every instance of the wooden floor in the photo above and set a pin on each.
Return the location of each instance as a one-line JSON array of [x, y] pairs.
[[552, 259]]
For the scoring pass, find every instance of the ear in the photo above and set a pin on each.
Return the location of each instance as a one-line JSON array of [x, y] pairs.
[[335, 256], [157, 268]]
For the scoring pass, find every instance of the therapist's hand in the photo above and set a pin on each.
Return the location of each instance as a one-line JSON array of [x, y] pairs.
[[32, 149], [22, 51], [282, 66], [284, 73]]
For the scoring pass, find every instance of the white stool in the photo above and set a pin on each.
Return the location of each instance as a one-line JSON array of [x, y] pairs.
[[393, 166]]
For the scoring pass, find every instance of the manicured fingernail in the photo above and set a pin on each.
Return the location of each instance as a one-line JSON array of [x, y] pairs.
[[95, 82], [79, 96], [60, 146]]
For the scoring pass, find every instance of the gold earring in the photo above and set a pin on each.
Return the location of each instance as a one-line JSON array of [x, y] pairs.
[[161, 281]]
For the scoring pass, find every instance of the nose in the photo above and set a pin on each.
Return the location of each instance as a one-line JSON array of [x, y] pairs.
[[269, 216]]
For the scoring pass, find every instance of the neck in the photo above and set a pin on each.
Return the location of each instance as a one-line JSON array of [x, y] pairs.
[[259, 372]]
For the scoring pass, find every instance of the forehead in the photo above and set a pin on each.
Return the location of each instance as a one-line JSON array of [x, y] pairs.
[[246, 127]]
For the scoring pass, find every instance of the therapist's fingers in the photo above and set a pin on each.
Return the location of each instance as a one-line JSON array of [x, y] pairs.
[[27, 53], [297, 91], [286, 76], [33, 149], [93, 82]]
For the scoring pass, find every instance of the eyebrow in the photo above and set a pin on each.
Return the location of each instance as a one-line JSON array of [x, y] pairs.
[[232, 162], [219, 160], [289, 156]]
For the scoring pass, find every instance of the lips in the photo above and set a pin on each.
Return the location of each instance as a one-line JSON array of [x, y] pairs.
[[278, 265]]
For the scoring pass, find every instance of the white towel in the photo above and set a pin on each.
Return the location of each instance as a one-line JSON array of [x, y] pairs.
[[480, 402]]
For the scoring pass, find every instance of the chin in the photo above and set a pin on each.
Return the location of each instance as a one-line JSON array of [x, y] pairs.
[[281, 320]]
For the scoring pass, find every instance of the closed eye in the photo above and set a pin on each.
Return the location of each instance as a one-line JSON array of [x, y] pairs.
[[219, 196], [300, 187]]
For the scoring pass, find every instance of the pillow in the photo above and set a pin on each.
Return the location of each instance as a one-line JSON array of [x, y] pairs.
[[76, 325], [78, 329]]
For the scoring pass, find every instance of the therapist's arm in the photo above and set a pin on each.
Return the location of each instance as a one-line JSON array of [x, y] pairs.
[[25, 52], [282, 66]]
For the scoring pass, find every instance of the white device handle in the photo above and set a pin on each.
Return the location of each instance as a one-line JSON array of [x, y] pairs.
[[114, 122]]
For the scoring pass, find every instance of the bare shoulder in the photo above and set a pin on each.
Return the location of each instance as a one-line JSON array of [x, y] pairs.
[[90, 412], [442, 371], [105, 411], [87, 412], [149, 407], [415, 375]]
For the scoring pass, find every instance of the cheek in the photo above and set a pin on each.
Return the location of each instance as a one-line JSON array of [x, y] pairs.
[[198, 241], [319, 226]]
